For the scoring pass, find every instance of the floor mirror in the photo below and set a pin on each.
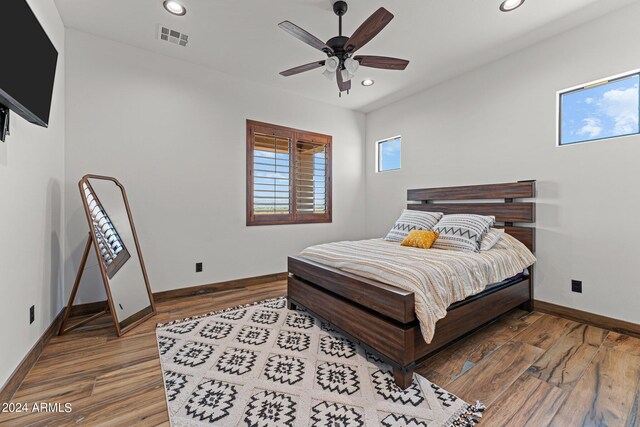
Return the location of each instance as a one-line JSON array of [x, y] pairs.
[[112, 235]]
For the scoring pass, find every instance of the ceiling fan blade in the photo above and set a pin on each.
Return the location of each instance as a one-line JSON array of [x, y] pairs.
[[302, 68], [342, 85], [304, 36], [368, 30], [383, 62]]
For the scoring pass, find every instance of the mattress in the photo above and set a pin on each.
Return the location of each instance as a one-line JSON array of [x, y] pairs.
[[517, 278], [438, 278]]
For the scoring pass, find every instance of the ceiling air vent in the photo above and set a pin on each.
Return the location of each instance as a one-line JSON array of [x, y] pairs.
[[173, 36]]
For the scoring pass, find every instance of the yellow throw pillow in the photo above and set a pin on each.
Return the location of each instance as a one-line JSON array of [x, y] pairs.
[[420, 239]]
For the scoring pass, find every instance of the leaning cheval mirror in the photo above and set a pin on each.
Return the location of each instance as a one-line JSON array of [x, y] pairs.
[[113, 237]]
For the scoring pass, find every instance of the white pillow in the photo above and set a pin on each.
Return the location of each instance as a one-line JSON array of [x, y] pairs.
[[492, 237], [412, 220], [462, 232]]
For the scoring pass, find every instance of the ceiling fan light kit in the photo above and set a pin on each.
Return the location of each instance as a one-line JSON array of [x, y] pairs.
[[330, 75], [332, 63], [340, 50], [351, 65]]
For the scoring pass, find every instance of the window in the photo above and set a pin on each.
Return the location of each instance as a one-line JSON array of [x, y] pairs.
[[601, 110], [288, 175], [388, 154]]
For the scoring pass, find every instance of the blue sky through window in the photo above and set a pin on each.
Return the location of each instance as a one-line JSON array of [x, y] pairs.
[[600, 112], [389, 154]]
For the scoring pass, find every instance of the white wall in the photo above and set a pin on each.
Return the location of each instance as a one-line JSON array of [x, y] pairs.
[[498, 124], [174, 134], [31, 216]]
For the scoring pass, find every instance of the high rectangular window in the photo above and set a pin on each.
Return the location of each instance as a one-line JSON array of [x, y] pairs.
[[606, 109], [288, 175], [388, 153]]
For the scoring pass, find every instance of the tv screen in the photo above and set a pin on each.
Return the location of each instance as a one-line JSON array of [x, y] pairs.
[[28, 63]]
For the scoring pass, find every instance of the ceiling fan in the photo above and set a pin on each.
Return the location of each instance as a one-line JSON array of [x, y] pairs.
[[340, 50]]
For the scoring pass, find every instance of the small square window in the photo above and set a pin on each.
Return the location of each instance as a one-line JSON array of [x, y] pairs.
[[602, 110], [389, 154]]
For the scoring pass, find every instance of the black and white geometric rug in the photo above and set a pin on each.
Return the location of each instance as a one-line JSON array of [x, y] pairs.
[[264, 365]]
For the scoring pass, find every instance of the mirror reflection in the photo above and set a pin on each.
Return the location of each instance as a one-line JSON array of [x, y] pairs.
[[118, 250], [114, 253]]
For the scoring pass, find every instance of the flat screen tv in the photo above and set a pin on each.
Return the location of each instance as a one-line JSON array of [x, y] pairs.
[[27, 65]]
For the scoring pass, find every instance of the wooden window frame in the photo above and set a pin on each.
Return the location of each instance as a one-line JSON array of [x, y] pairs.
[[294, 135]]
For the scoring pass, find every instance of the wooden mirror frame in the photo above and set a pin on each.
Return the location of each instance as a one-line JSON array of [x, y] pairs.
[[92, 241]]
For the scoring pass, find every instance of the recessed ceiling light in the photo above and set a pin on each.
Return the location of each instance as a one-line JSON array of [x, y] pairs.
[[174, 7], [509, 5], [367, 82]]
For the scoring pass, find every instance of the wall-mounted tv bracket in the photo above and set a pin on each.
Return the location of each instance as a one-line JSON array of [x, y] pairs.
[[4, 122]]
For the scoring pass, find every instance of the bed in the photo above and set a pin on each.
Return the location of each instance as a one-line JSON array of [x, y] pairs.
[[382, 317]]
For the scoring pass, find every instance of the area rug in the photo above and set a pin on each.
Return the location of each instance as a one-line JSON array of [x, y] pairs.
[[264, 365]]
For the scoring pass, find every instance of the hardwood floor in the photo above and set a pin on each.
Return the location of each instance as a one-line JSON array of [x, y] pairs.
[[530, 369]]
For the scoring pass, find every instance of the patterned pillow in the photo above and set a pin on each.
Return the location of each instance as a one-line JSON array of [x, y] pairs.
[[462, 232], [412, 220], [491, 238]]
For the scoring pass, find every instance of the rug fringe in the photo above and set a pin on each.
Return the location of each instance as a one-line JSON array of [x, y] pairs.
[[468, 416], [214, 313]]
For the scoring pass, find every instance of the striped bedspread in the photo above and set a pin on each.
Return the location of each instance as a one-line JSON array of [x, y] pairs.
[[438, 278]]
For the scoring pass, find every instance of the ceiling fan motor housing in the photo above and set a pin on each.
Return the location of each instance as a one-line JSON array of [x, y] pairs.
[[337, 45]]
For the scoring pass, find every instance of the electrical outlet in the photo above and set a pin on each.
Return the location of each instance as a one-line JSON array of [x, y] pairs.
[[32, 314], [576, 286], [198, 267]]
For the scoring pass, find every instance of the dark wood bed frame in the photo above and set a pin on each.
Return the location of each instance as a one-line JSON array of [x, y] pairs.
[[382, 318]]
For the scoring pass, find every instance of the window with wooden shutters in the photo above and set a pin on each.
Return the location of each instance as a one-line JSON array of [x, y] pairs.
[[288, 175]]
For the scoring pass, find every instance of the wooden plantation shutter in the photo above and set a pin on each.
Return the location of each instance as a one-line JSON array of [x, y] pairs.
[[288, 175], [272, 175], [311, 177]]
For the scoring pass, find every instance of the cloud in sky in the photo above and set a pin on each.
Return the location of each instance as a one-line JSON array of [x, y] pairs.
[[592, 127], [622, 106]]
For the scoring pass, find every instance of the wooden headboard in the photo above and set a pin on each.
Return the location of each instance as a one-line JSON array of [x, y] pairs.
[[508, 212]]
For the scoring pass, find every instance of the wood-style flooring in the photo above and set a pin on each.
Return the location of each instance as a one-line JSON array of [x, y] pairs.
[[529, 369]]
